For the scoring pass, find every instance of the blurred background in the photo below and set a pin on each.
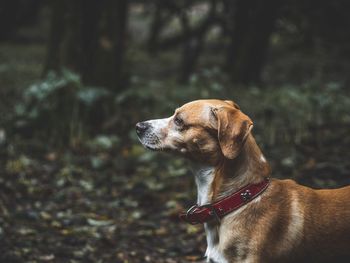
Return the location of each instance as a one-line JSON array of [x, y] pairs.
[[75, 77]]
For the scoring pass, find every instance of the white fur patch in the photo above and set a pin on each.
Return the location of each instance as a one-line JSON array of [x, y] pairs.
[[171, 135], [262, 158], [205, 114], [249, 260], [159, 123], [215, 255], [212, 252], [204, 177], [295, 227]]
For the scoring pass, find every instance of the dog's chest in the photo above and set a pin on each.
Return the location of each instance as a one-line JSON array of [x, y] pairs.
[[213, 252], [204, 177], [229, 240]]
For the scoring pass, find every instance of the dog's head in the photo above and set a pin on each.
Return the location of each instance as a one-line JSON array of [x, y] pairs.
[[202, 130]]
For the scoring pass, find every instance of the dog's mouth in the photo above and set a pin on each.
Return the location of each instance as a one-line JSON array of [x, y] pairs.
[[152, 148], [150, 142]]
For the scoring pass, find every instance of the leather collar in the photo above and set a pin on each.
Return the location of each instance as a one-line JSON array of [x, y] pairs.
[[204, 213]]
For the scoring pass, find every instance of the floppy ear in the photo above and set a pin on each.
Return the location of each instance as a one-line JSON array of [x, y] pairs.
[[233, 129], [233, 104]]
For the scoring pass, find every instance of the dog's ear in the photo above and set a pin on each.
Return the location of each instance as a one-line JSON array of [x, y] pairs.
[[233, 129], [232, 103]]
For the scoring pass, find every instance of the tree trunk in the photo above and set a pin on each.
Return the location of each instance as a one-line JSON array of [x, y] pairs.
[[253, 22], [87, 37], [53, 56], [15, 14], [194, 43], [192, 48], [119, 14], [155, 29]]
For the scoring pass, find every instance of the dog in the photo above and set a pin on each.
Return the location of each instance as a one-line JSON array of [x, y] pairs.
[[248, 217]]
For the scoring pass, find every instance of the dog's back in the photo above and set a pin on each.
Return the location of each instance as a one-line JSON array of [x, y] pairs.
[[308, 225]]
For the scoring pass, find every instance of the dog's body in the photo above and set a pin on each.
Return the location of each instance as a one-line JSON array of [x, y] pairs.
[[286, 223]]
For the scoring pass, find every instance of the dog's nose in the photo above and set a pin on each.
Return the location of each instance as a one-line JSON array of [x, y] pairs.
[[141, 127]]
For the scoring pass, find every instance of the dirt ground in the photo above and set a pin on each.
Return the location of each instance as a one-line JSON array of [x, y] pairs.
[[60, 206], [56, 208]]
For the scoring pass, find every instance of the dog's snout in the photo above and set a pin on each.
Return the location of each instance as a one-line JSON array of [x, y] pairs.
[[141, 128]]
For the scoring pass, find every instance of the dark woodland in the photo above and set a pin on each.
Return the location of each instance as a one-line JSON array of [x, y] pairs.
[[77, 75]]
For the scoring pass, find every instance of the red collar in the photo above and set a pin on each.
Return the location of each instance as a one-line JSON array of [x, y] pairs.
[[204, 213]]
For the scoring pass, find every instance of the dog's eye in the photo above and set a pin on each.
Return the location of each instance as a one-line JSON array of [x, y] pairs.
[[178, 122]]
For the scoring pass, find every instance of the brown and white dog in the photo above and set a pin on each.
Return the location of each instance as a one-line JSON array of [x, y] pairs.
[[285, 223]]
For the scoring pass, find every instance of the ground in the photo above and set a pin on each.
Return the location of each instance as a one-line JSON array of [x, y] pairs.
[[107, 199], [62, 207], [58, 208]]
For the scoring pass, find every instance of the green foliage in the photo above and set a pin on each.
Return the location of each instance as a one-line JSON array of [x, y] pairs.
[[58, 107], [284, 117], [290, 114], [61, 110], [287, 114]]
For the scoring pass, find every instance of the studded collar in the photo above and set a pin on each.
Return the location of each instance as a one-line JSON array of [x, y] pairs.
[[215, 211]]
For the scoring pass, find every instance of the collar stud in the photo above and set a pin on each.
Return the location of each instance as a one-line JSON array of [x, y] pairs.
[[246, 195]]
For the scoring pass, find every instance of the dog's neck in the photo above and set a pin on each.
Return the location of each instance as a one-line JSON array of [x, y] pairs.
[[228, 176]]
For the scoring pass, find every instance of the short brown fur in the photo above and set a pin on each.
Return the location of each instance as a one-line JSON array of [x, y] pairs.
[[288, 222]]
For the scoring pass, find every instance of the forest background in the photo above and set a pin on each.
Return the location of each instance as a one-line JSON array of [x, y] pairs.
[[75, 77]]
